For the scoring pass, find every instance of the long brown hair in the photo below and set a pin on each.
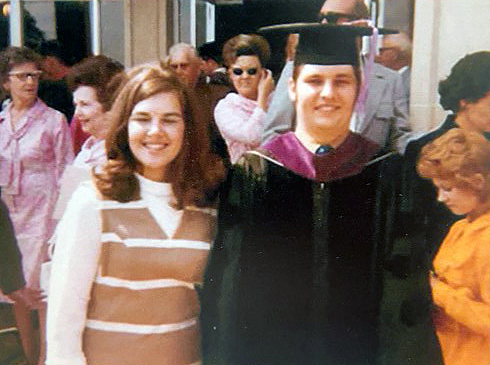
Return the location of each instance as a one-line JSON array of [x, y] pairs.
[[194, 173]]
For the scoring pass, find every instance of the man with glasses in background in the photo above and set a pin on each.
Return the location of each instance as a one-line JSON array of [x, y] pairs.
[[396, 53]]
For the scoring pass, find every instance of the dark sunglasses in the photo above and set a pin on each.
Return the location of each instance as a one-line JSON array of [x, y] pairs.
[[238, 71], [383, 49], [333, 18]]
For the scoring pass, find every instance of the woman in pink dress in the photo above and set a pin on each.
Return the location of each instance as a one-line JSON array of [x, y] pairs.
[[241, 117], [35, 147]]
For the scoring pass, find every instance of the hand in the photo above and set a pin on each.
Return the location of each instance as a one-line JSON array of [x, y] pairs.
[[265, 87], [29, 297], [266, 83], [291, 46], [35, 297], [18, 296]]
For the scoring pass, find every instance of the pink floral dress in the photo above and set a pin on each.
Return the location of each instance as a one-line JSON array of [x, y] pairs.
[[32, 159]]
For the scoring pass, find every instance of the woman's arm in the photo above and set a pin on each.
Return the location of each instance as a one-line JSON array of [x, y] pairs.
[[280, 114], [63, 147], [461, 304], [74, 267], [265, 89], [236, 123]]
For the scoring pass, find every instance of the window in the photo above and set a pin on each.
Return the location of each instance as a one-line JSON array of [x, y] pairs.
[[81, 27]]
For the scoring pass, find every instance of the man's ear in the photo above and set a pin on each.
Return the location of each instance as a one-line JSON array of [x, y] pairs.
[[292, 90], [5, 86], [462, 104]]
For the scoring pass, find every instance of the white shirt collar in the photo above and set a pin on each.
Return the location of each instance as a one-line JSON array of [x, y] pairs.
[[154, 187], [402, 70]]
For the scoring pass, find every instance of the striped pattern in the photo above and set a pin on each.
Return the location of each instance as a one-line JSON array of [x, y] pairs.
[[139, 328], [144, 307], [172, 348], [153, 243], [142, 284]]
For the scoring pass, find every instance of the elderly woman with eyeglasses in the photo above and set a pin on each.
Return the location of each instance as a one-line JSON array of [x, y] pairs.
[[35, 147], [240, 116]]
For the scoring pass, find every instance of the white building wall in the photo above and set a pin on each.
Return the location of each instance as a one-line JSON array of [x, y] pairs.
[[444, 31]]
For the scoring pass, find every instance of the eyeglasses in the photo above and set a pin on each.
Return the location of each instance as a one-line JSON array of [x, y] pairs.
[[382, 49], [238, 71], [23, 76], [333, 18]]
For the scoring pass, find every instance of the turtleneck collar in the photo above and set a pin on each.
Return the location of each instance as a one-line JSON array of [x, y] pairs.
[[154, 187]]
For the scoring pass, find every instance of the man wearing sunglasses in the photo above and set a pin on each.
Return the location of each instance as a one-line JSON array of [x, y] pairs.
[[385, 116]]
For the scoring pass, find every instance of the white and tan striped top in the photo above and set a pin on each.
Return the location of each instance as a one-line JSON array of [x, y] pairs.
[[140, 305]]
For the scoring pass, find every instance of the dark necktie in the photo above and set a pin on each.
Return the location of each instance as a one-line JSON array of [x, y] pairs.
[[323, 150]]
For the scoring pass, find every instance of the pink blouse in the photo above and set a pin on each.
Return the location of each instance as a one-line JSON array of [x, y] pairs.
[[32, 160], [241, 123], [91, 154]]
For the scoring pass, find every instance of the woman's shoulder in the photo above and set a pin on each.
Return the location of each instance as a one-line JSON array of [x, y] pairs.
[[480, 227], [83, 203], [51, 114], [86, 193], [237, 101], [230, 98]]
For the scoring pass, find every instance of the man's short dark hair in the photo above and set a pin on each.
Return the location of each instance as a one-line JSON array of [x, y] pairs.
[[55, 49], [210, 50]]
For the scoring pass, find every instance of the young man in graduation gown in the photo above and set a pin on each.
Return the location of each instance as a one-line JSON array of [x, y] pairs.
[[294, 275]]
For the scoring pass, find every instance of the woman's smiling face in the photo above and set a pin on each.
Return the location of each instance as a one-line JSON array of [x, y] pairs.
[[156, 134], [89, 111]]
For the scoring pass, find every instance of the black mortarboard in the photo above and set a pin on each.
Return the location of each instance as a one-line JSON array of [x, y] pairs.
[[325, 44]]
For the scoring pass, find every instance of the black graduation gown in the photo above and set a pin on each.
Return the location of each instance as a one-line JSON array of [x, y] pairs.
[[426, 216], [295, 274]]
